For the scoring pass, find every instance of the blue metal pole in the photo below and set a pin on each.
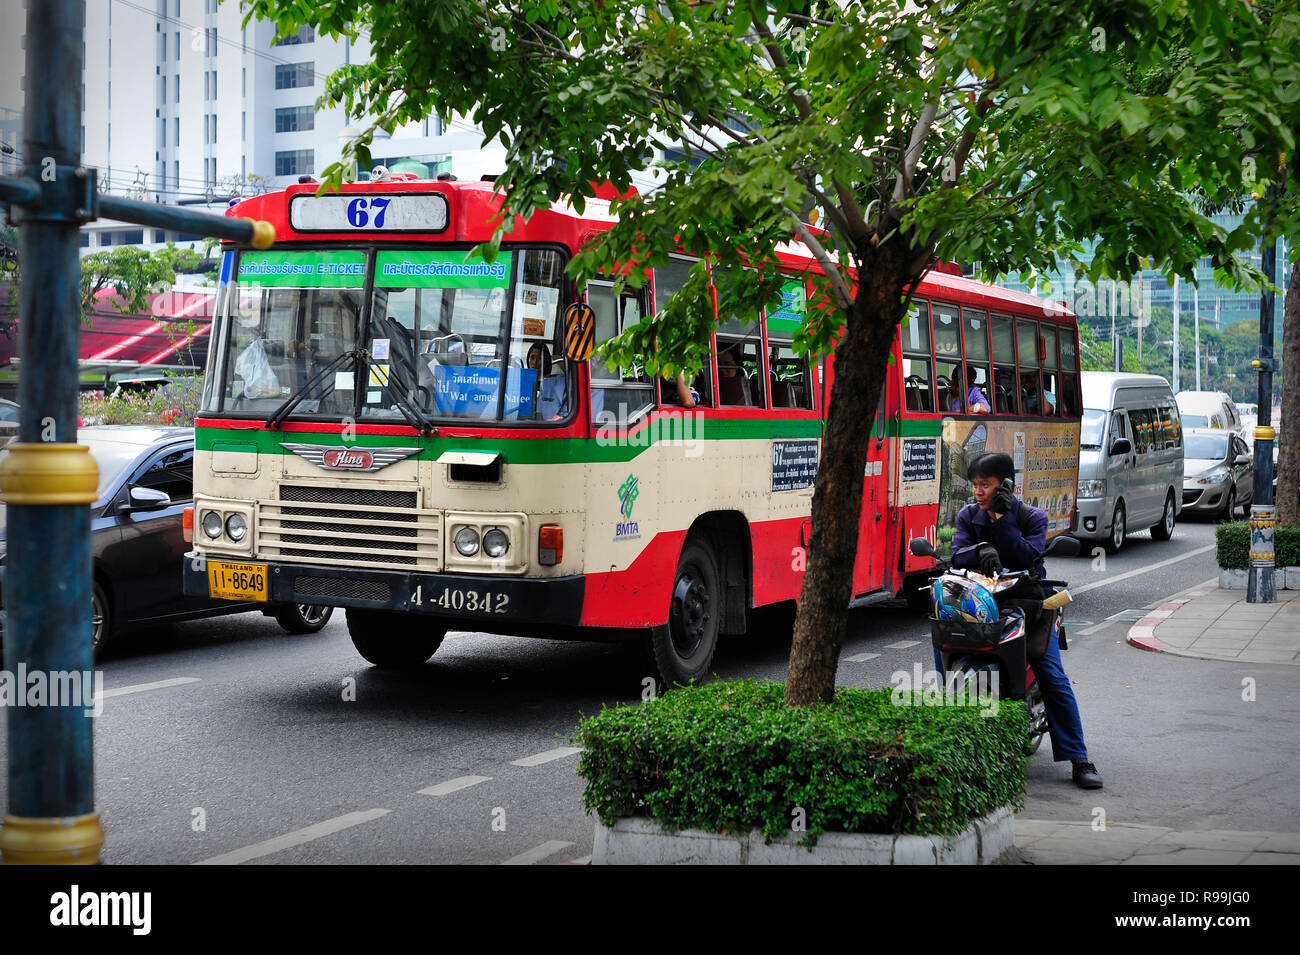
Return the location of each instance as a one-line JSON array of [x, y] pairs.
[[48, 480]]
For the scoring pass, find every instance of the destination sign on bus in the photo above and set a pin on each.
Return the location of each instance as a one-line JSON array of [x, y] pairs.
[[422, 212]]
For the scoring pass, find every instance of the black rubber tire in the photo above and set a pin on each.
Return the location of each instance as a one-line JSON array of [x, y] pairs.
[[394, 641], [916, 592], [1037, 714], [1229, 509], [101, 621], [1165, 529], [1118, 529], [684, 648], [303, 618]]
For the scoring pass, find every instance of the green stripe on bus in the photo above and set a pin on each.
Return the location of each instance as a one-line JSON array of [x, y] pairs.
[[539, 450]]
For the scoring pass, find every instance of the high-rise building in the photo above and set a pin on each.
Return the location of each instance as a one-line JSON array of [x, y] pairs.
[[183, 103]]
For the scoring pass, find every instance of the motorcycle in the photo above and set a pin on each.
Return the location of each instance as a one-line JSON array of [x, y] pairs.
[[983, 628]]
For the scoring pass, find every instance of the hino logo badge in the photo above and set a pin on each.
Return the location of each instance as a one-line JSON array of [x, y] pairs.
[[349, 459]]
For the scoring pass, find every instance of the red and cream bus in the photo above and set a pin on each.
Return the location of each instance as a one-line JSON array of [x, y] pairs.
[[392, 426]]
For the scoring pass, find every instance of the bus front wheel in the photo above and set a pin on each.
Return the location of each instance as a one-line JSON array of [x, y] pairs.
[[684, 648], [394, 640]]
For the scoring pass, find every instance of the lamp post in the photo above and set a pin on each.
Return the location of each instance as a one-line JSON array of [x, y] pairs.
[[48, 481]]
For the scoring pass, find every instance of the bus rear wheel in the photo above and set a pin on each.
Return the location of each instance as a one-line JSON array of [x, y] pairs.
[[684, 648], [394, 640]]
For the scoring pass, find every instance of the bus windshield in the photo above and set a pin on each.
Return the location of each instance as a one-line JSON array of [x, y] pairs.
[[449, 335]]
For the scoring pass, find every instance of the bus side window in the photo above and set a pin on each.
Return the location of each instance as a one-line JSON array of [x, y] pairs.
[[1027, 348], [789, 377], [1005, 389], [914, 332]]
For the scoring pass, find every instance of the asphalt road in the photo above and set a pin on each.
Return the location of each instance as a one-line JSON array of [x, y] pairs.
[[270, 749]]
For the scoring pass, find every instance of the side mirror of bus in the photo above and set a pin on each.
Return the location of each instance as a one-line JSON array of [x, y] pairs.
[[1121, 446], [920, 547]]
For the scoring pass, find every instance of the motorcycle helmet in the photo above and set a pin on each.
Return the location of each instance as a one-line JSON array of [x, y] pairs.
[[961, 598]]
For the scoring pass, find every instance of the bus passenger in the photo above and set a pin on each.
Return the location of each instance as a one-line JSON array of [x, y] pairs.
[[975, 398]]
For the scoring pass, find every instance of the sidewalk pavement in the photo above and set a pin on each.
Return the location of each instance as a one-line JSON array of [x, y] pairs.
[[1048, 842], [1213, 624]]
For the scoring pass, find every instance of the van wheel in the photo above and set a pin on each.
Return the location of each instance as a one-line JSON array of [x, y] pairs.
[[1165, 529], [1117, 529], [684, 648]]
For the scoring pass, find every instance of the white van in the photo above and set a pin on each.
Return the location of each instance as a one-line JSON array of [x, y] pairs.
[[1209, 409], [1130, 458]]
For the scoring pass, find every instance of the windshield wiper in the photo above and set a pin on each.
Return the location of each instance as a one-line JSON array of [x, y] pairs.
[[294, 399]]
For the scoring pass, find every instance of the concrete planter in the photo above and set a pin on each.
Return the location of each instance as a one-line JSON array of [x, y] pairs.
[[641, 841], [1232, 579], [1284, 578]]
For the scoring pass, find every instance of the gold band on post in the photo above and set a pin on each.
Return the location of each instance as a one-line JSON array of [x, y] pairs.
[[1264, 432], [73, 840], [49, 473], [263, 234]]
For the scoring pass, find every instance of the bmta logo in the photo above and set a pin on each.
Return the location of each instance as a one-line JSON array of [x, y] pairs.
[[628, 495], [626, 529]]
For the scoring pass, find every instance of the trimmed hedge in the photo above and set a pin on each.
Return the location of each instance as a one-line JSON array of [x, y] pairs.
[[731, 756], [1233, 550]]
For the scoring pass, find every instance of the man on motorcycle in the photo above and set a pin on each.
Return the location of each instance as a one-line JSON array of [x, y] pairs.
[[1000, 531]]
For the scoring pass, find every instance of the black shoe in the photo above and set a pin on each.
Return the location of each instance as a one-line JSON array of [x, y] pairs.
[[1086, 775]]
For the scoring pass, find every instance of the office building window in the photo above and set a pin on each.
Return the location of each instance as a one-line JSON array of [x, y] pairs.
[[176, 131], [178, 44], [295, 119], [290, 76], [295, 162], [214, 84], [207, 89], [304, 35], [178, 88]]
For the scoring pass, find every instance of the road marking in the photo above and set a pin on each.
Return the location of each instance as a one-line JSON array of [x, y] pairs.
[[1141, 570], [141, 687], [537, 853], [454, 785], [861, 657], [1133, 616], [546, 757], [295, 838], [902, 644]]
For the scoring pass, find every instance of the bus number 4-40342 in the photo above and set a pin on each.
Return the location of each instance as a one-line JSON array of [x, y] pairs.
[[454, 598]]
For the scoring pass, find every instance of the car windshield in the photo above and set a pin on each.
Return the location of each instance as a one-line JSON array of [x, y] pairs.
[[1206, 447], [1195, 420], [1093, 428], [449, 335]]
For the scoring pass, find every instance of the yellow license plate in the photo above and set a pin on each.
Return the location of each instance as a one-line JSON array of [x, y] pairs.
[[229, 581]]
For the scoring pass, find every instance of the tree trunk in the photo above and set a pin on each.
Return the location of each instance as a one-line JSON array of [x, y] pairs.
[[860, 364], [1288, 453]]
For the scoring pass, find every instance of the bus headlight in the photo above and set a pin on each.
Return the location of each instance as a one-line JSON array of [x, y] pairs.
[[236, 527], [212, 524], [466, 541], [495, 542]]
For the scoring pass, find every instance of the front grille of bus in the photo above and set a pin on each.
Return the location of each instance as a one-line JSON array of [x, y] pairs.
[[356, 527], [341, 587]]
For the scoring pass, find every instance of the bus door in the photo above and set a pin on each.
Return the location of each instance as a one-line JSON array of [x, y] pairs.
[[873, 526]]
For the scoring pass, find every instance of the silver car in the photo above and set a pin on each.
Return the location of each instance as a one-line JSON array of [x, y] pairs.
[[1218, 473]]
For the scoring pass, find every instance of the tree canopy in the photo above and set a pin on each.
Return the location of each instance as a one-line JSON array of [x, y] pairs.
[[1004, 132]]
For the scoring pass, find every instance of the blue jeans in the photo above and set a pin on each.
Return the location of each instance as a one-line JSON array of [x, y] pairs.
[[1063, 720]]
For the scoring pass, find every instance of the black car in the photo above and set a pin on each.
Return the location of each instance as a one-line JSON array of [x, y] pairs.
[[137, 541]]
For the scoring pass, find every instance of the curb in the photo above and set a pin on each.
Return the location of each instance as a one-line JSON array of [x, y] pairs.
[[1143, 633]]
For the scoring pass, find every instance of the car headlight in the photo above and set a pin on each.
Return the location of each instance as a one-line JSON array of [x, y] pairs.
[[1092, 489], [496, 542], [236, 527], [466, 541], [1217, 476], [212, 524]]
